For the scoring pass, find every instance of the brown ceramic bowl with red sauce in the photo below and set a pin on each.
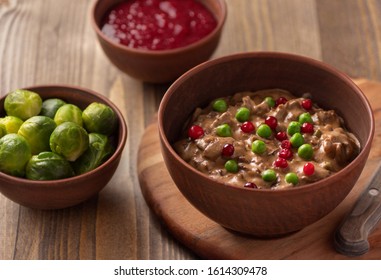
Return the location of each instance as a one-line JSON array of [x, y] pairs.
[[264, 212], [63, 193], [164, 65]]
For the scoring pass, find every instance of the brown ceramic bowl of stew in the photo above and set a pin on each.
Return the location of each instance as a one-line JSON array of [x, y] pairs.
[[67, 192], [257, 211], [162, 65]]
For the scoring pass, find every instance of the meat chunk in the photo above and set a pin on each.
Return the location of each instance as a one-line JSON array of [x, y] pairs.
[[328, 118]]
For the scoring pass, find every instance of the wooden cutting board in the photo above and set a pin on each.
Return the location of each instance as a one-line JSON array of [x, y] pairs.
[[209, 240]]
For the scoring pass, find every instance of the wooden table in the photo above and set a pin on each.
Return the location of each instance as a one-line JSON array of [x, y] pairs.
[[50, 41]]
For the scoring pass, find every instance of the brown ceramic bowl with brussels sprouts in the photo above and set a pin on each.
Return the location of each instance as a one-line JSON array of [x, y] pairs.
[[54, 152]]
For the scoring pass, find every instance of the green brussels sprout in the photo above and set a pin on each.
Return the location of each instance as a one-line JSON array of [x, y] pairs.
[[23, 104], [48, 166], [2, 130], [50, 107], [69, 140], [100, 149], [11, 124], [68, 113], [99, 118], [14, 154], [37, 130]]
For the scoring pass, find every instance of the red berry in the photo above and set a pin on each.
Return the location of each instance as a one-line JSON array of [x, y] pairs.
[[286, 144], [227, 150], [280, 162], [308, 169], [271, 121], [281, 135], [250, 185], [307, 104], [285, 153], [307, 128], [280, 100], [195, 132], [247, 127]]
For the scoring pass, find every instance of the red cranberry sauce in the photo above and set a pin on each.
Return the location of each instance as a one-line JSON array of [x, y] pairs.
[[158, 24]]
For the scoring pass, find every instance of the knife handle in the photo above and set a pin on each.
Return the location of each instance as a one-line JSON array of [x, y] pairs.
[[351, 237]]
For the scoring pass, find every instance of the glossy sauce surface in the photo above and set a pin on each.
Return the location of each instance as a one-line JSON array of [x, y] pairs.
[[158, 24]]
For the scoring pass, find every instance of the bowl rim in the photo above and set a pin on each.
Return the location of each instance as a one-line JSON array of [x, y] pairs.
[[271, 55], [123, 131], [220, 23]]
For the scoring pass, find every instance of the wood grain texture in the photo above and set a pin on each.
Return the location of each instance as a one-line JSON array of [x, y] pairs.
[[209, 240], [50, 41]]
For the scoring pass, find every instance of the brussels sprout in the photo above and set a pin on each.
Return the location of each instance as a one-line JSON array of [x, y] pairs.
[[14, 154], [48, 166], [68, 113], [50, 107], [2, 130], [23, 104], [99, 118], [100, 149], [69, 140], [36, 130], [11, 124]]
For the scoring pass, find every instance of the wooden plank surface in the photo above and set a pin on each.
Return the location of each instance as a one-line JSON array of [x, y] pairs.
[[50, 41]]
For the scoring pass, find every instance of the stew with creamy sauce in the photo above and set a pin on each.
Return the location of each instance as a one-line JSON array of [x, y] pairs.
[[267, 139]]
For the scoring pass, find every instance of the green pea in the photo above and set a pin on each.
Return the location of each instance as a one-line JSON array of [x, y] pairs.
[[224, 130], [305, 151], [231, 166], [270, 101], [293, 127], [269, 175], [292, 178], [297, 140], [258, 147], [220, 105], [305, 117], [264, 131], [242, 114]]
